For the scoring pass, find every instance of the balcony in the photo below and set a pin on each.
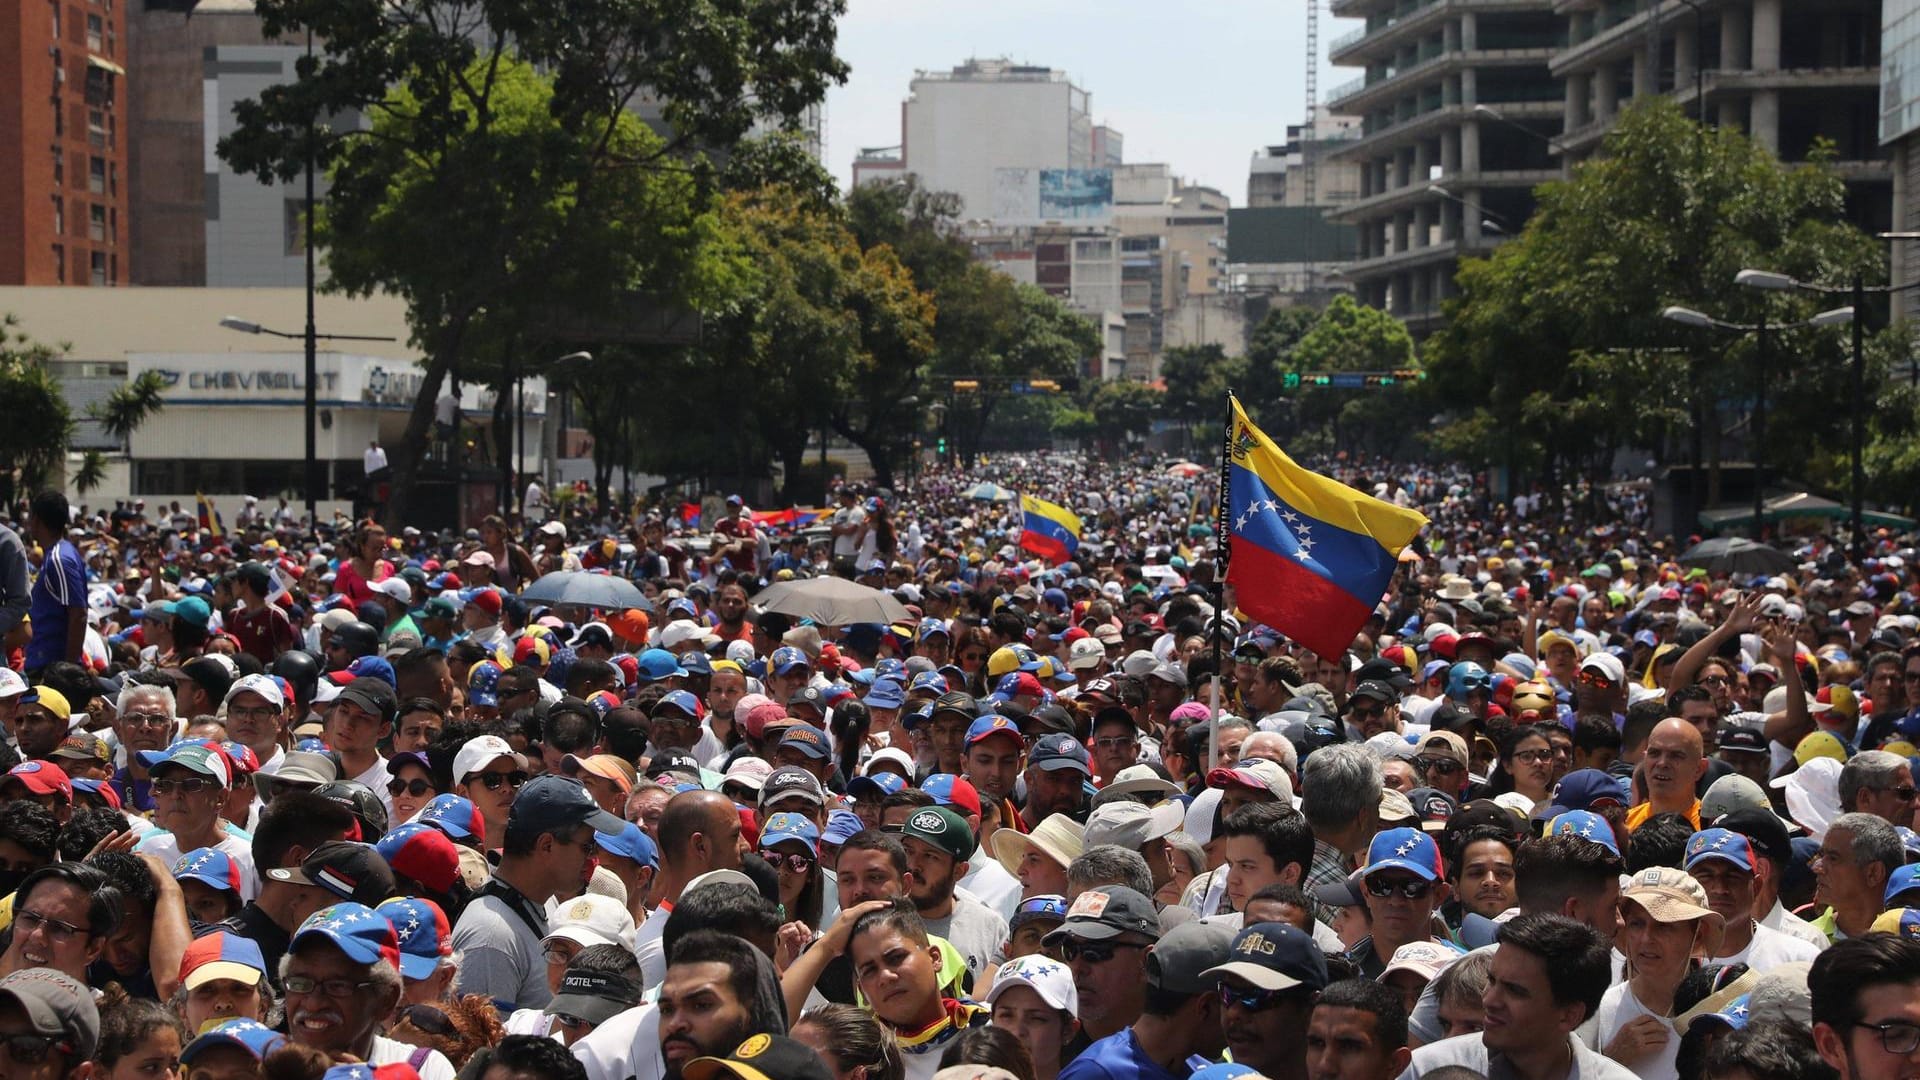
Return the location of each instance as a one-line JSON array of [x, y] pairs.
[[1424, 124], [1355, 96]]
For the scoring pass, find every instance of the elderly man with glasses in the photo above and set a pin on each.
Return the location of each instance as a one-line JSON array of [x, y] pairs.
[[144, 722], [342, 979]]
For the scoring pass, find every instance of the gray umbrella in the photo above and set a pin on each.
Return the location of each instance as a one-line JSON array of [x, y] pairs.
[[1737, 555], [587, 590], [831, 601]]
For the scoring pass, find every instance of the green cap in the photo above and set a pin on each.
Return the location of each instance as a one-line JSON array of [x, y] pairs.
[[942, 828]]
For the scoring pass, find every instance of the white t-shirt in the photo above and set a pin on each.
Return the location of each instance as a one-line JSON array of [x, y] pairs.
[[648, 950], [1768, 949], [989, 881], [1618, 1008], [166, 847], [375, 779], [846, 545], [531, 1022], [626, 1047], [393, 1052], [1793, 926]]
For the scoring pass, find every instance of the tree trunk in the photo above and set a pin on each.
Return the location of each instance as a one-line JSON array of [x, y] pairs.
[[406, 457]]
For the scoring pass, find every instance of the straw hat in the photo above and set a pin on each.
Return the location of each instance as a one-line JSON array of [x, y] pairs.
[[1059, 838]]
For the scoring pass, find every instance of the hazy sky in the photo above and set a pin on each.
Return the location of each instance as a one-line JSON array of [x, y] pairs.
[[1199, 85]]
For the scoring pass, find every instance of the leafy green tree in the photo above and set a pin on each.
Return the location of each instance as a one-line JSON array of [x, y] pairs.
[[1349, 336], [499, 183], [1554, 354], [1197, 378], [39, 424], [1124, 411], [995, 331]]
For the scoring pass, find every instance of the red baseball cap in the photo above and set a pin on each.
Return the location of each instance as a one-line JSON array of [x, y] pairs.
[[41, 778]]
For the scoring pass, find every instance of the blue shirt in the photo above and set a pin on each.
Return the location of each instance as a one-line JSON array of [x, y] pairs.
[[1116, 1057], [61, 585]]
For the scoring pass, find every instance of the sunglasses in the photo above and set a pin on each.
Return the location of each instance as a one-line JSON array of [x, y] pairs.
[[1093, 952], [1055, 906], [1253, 1000], [1904, 793], [1410, 890], [191, 785], [793, 861], [492, 780], [32, 1049], [1438, 765], [416, 788]]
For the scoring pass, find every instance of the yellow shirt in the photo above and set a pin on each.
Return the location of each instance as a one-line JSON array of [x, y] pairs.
[[1638, 816]]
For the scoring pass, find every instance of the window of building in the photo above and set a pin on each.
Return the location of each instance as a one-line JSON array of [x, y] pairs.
[[59, 168], [97, 223], [113, 178], [55, 6], [96, 129], [96, 32], [97, 175], [97, 267], [59, 119], [59, 215], [60, 263]]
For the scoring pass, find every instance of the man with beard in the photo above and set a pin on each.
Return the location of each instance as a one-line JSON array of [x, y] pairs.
[[1057, 772], [718, 991], [1267, 985], [730, 605], [190, 783], [342, 978], [1482, 871], [938, 845], [549, 850]]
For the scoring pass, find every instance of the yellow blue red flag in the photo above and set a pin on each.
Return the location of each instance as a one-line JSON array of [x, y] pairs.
[[1049, 531], [209, 516], [1307, 555]]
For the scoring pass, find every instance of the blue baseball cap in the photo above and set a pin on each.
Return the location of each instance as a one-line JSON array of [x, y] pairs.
[[694, 662], [365, 935], [425, 937], [454, 815], [786, 658], [929, 680], [1276, 956], [681, 700], [841, 825], [790, 827], [549, 803], [877, 786], [988, 726], [211, 867], [886, 694], [255, 1038], [1719, 844], [1585, 789], [631, 842], [1403, 849], [931, 626], [1055, 752], [1734, 1014], [806, 738], [1901, 880], [680, 605], [1587, 825], [909, 721], [1044, 906], [658, 664], [482, 682]]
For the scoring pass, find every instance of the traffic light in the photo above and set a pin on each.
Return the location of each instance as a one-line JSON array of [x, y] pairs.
[[1291, 380], [941, 447], [965, 386], [1043, 386]]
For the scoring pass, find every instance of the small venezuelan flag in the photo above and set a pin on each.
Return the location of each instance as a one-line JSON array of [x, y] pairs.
[[1049, 531], [1307, 555], [209, 516]]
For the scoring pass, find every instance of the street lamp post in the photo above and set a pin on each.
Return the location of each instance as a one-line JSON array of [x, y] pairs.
[[1857, 290], [1702, 321], [310, 337]]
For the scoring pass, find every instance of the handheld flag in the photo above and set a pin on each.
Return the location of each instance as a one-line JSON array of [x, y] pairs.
[[1049, 531], [1307, 555], [209, 516]]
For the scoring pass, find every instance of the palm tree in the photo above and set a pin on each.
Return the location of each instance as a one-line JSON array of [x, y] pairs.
[[130, 406], [92, 472]]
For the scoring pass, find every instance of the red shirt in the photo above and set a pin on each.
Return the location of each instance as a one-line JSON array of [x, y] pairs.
[[742, 529], [266, 634]]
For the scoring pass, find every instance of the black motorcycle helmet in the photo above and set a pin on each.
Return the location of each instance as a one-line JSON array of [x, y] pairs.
[[364, 804], [302, 672], [357, 638]]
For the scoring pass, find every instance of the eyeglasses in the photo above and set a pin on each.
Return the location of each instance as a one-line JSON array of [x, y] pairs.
[[57, 932], [1440, 765], [430, 1020], [1093, 952], [1114, 742], [258, 712], [32, 1049], [1411, 890], [559, 954], [188, 785], [1532, 757], [1904, 792], [1254, 1000], [146, 720], [1896, 1036], [333, 988], [492, 780], [416, 787], [1713, 680], [565, 1020], [793, 861]]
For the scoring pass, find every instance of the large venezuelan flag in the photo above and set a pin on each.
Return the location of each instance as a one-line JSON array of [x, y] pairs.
[[1308, 556], [1049, 531]]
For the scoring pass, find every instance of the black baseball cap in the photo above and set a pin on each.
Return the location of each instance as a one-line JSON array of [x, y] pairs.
[[373, 695], [1762, 828], [761, 1057], [1056, 752], [956, 701], [1742, 739], [593, 996], [1377, 690], [1107, 912], [549, 803], [348, 870]]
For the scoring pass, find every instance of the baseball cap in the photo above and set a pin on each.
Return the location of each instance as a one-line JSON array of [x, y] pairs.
[[1049, 906], [593, 996], [1584, 789], [40, 778], [349, 870], [454, 815], [1434, 808], [1719, 844], [942, 828], [1055, 752], [222, 955], [1274, 956], [1403, 849], [876, 785], [805, 738], [1130, 824], [82, 746], [789, 781], [787, 658], [1423, 958], [1184, 958], [423, 853], [886, 694], [592, 919], [1820, 744], [949, 789], [1050, 979], [1763, 828], [194, 757], [1903, 879], [423, 932], [761, 1057], [58, 1007], [1669, 895], [631, 842], [357, 930], [956, 701], [548, 803], [478, 752], [211, 867], [789, 826], [1587, 825], [1107, 912], [255, 1038], [1256, 773], [1742, 740], [1903, 922], [988, 726]]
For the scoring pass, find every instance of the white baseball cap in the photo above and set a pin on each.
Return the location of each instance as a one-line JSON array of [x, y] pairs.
[[592, 919], [1086, 654], [11, 683], [395, 588], [1051, 979], [476, 753], [264, 685]]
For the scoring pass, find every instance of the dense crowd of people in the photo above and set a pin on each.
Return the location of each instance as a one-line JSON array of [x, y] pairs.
[[352, 805]]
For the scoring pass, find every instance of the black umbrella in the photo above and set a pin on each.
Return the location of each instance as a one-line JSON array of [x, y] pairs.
[[1738, 556], [587, 590]]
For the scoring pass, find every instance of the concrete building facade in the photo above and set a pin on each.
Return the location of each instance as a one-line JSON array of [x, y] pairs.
[[63, 138], [1435, 167], [1900, 137], [1278, 175]]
